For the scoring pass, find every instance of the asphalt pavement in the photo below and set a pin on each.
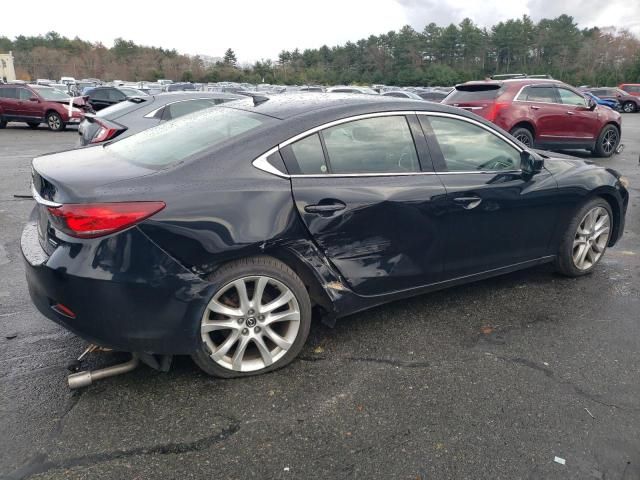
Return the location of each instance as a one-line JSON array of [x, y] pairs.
[[491, 380]]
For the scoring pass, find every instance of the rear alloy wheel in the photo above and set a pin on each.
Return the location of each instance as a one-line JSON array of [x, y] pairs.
[[607, 141], [523, 135], [54, 122], [586, 239], [33, 125], [256, 322], [629, 107]]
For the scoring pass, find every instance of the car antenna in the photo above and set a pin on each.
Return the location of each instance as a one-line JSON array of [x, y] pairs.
[[258, 99]]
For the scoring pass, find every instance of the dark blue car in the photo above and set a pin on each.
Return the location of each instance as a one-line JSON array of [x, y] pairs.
[[613, 104]]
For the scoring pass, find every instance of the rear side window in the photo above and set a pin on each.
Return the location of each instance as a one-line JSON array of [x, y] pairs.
[[115, 95], [372, 145], [474, 93], [172, 142], [8, 92], [539, 94], [468, 147], [309, 156], [600, 93], [99, 94]]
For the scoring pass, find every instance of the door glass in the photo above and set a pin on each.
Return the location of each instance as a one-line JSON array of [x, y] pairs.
[[25, 94], [309, 155], [100, 94], [372, 145], [571, 98], [538, 94], [116, 95], [467, 147], [8, 92]]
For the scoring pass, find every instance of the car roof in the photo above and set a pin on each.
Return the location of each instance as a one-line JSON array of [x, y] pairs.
[[333, 105]]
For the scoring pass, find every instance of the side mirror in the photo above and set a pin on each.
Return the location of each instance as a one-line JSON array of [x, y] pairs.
[[530, 163], [592, 104]]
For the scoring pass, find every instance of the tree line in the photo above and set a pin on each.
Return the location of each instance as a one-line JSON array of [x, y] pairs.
[[437, 55]]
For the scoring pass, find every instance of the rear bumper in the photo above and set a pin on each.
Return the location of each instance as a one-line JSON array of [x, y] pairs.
[[126, 293]]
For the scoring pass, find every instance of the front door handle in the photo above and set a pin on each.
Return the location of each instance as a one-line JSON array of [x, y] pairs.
[[570, 113], [468, 202], [533, 107], [326, 207]]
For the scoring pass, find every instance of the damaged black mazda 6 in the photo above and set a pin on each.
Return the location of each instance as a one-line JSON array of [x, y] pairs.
[[217, 235]]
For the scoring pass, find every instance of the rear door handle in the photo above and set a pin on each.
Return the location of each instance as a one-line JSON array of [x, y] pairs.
[[468, 202], [326, 208], [533, 107], [570, 113]]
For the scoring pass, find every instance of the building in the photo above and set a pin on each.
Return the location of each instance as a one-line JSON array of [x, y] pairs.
[[7, 72]]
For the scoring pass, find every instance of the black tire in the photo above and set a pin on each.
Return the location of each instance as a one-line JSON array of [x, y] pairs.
[[268, 267], [629, 107], [33, 125], [3, 124], [54, 122], [523, 135], [564, 260], [607, 141]]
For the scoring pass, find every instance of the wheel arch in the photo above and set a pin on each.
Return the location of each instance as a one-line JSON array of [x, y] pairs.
[[525, 124], [616, 210]]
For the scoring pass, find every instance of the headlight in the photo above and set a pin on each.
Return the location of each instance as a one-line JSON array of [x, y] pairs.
[[624, 181]]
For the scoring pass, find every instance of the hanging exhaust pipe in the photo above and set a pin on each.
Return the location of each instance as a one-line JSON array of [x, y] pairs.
[[84, 379]]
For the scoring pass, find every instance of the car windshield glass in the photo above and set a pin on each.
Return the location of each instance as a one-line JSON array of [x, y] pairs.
[[174, 141], [51, 94], [132, 92], [472, 93]]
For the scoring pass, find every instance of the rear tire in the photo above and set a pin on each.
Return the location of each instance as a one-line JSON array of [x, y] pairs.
[[607, 142], [523, 135], [629, 107], [239, 338], [585, 232], [33, 125], [54, 122]]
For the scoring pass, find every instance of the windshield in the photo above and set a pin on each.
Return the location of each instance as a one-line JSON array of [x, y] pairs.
[[174, 141], [51, 94]]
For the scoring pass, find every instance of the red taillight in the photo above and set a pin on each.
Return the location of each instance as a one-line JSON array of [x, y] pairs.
[[63, 310], [494, 109], [105, 133], [97, 219]]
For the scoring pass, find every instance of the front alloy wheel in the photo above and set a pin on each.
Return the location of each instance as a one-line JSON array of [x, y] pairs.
[[54, 122], [256, 322], [591, 238], [629, 107]]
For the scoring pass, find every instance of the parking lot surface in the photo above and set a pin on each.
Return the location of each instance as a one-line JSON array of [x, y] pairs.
[[489, 380]]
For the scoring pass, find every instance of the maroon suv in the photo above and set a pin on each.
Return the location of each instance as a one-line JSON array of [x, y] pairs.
[[542, 113], [35, 104]]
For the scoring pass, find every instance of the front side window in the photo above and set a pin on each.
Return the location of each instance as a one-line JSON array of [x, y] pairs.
[[100, 94], [115, 95], [571, 98], [51, 94], [24, 94], [538, 94], [372, 145], [468, 147]]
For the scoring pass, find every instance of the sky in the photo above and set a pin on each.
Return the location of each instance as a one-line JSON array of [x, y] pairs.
[[261, 29]]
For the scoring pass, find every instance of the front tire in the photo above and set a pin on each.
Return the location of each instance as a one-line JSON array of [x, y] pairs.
[[256, 322], [523, 135], [585, 239], [607, 142], [629, 107], [54, 122]]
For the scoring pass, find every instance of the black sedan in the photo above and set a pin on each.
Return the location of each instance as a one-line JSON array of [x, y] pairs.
[[218, 234], [140, 113]]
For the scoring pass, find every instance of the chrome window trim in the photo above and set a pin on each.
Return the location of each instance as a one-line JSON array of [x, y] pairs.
[[517, 97], [261, 162], [42, 201]]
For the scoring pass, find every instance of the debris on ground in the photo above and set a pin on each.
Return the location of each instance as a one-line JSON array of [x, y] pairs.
[[559, 460]]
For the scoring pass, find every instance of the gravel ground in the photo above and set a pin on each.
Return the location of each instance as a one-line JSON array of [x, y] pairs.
[[489, 380]]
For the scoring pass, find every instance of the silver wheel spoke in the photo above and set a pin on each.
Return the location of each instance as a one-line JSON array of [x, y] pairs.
[[238, 355], [283, 317], [578, 257], [257, 295], [217, 307], [277, 303], [264, 351], [277, 339], [213, 325], [241, 288], [226, 346]]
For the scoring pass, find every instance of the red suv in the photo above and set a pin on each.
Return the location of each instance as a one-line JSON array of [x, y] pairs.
[[542, 113], [631, 88], [35, 104]]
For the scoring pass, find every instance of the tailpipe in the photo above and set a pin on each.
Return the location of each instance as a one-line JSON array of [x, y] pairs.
[[84, 379]]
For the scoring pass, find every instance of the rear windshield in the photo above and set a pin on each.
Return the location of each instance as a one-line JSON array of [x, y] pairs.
[[177, 140], [473, 93], [119, 109]]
